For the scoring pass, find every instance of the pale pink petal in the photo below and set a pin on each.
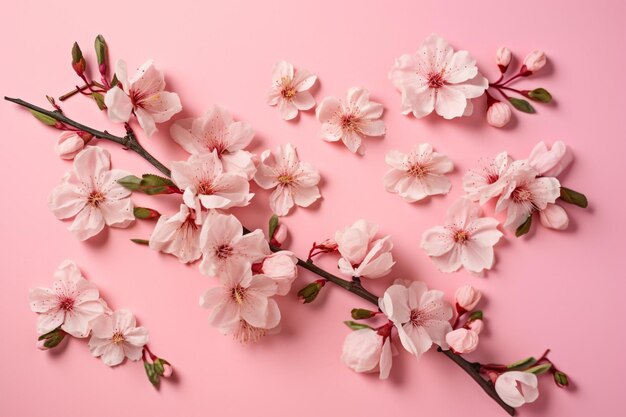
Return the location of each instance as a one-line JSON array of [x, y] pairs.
[[415, 339], [484, 231], [282, 69], [47, 322], [287, 109], [119, 105], [118, 213], [327, 109], [386, 357], [305, 196], [162, 106], [281, 200], [437, 241], [88, 223], [450, 103], [372, 127], [304, 100], [449, 261], [303, 80], [476, 258], [146, 121], [461, 67], [66, 201]]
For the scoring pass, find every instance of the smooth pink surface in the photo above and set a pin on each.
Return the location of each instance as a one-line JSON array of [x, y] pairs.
[[561, 290]]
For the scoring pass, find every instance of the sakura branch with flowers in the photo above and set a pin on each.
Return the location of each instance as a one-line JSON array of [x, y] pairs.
[[251, 268]]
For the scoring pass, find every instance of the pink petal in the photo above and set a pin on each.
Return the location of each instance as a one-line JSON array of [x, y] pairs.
[[304, 100], [287, 109], [47, 322], [282, 69], [303, 80], [386, 358], [327, 109], [437, 241], [162, 106], [88, 223], [119, 105], [281, 200], [305, 196], [372, 127], [146, 121], [476, 258], [65, 201], [450, 103], [449, 261]]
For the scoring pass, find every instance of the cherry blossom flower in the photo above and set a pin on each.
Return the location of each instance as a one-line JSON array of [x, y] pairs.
[[143, 95], [420, 315], [550, 162], [466, 239], [361, 254], [462, 341], [281, 267], [517, 388], [178, 235], [205, 183], [352, 120], [91, 195], [418, 174], [70, 143], [290, 90], [366, 350], [72, 302], [242, 297], [437, 78], [116, 337], [467, 297], [485, 182], [295, 182], [216, 131], [223, 244]]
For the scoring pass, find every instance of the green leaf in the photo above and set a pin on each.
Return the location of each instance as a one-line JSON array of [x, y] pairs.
[[524, 227], [273, 224], [529, 361], [356, 326], [362, 313], [476, 315], [52, 338], [140, 241], [99, 99], [101, 50], [309, 293], [158, 366], [145, 213], [561, 379], [149, 184], [540, 369], [152, 374], [574, 197], [540, 94], [43, 118], [521, 105]]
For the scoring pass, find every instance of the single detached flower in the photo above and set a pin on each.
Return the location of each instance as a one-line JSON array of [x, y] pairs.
[[499, 114], [535, 60], [223, 244], [72, 302], [550, 161], [517, 388], [462, 340], [217, 131], [437, 78], [91, 195], [466, 239], [366, 350], [467, 297], [205, 183], [116, 337], [486, 182], [142, 95], [281, 267], [290, 90], [352, 120], [420, 315], [70, 143], [418, 174], [361, 254], [294, 182], [178, 235]]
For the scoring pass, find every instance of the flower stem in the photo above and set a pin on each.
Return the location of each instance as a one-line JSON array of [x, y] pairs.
[[129, 141]]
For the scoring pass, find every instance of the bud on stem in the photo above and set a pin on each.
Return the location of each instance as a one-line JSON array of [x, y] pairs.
[[78, 62], [310, 292]]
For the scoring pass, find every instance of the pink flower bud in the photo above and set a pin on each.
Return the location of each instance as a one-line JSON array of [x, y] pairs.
[[503, 58], [554, 217], [535, 60], [69, 144], [281, 268], [462, 340], [476, 325], [467, 297], [41, 344], [499, 114], [329, 245], [280, 234], [167, 370]]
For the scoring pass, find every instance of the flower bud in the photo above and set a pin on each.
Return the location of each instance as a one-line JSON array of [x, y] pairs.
[[503, 58], [534, 61], [281, 268], [462, 340], [467, 297], [329, 245], [476, 325], [69, 145], [280, 234], [168, 370], [78, 62], [362, 313], [100, 46], [310, 292], [51, 339], [499, 114], [554, 217], [41, 345]]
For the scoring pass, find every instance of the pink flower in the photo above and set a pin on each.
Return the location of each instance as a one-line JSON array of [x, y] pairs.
[[550, 162], [419, 174], [467, 297], [178, 235], [361, 254], [143, 95], [365, 350], [205, 183], [517, 388], [216, 131], [242, 297], [476, 325], [295, 182], [351, 120], [554, 217], [420, 315], [281, 268], [503, 58], [117, 337], [535, 60], [484, 183], [70, 143], [462, 341], [91, 195], [499, 114], [223, 244], [72, 302], [290, 90], [466, 239], [437, 78]]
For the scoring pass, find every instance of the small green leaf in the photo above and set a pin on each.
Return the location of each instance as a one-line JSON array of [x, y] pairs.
[[529, 361], [149, 184], [309, 293], [140, 241], [362, 313], [561, 379], [524, 227], [540, 369], [574, 197], [476, 315], [99, 99], [356, 326], [152, 374], [521, 105], [273, 224], [145, 213], [540, 94], [43, 118]]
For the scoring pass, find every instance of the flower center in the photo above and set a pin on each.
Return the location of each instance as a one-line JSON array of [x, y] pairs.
[[205, 187], [418, 170], [285, 179], [460, 236], [349, 122], [521, 195], [435, 80], [237, 294], [417, 317], [223, 251], [66, 303], [287, 91], [118, 337], [95, 198]]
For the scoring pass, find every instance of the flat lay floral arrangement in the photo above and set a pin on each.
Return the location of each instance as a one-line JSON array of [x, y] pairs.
[[250, 269]]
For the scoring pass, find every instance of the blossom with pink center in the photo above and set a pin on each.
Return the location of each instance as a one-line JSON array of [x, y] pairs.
[[517, 388], [116, 337], [462, 341], [420, 315], [281, 267], [206, 184], [361, 254], [418, 174], [72, 302], [550, 161], [242, 297], [486, 182], [224, 244], [217, 131], [290, 90], [351, 120], [366, 350], [178, 235], [91, 195], [437, 78], [294, 182], [142, 95], [466, 239]]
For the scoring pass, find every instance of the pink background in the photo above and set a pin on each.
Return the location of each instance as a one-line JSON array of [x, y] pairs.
[[551, 289]]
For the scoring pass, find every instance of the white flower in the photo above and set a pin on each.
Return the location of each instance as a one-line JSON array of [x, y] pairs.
[[116, 337]]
